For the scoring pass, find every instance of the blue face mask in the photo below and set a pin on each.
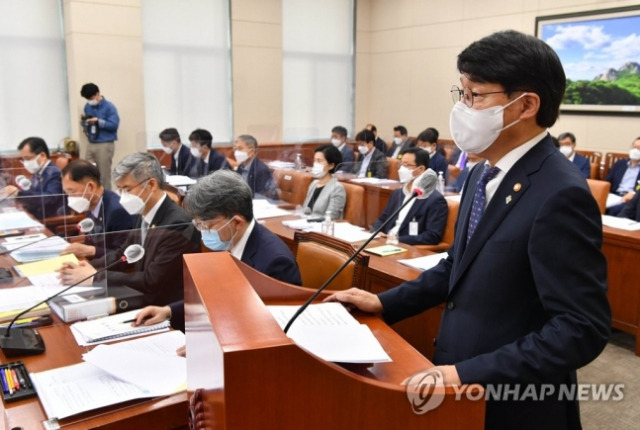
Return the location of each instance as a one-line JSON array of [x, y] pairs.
[[211, 239]]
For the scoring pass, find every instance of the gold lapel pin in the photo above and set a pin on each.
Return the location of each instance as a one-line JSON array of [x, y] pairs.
[[508, 200], [517, 187]]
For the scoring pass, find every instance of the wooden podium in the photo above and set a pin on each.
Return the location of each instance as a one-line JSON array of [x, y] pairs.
[[245, 373]]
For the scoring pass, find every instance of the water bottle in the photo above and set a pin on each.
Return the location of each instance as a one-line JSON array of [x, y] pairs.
[[298, 163], [440, 186], [327, 224]]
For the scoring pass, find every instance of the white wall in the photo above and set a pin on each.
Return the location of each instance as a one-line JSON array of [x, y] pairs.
[[413, 48]]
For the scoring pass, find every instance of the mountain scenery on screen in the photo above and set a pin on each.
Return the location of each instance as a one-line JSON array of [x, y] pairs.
[[601, 58], [613, 87]]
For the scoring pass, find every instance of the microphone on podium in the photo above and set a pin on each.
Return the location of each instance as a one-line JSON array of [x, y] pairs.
[[27, 341], [423, 186]]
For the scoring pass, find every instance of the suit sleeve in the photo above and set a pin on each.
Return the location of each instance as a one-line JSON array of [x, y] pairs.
[[585, 168], [111, 121], [433, 226], [177, 315], [380, 167], [284, 269], [337, 200], [410, 298], [574, 297], [631, 209], [386, 213], [51, 185]]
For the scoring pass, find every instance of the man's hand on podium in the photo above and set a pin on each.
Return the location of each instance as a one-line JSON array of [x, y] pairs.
[[357, 298]]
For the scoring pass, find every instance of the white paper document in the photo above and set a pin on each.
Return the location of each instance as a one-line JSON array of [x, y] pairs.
[[424, 263], [375, 181], [263, 209], [342, 230], [36, 250], [621, 223], [179, 180], [329, 331], [130, 370], [17, 220], [112, 328], [151, 362], [24, 297], [613, 200]]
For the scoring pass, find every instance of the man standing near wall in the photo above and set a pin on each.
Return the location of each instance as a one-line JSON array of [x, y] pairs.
[[100, 123]]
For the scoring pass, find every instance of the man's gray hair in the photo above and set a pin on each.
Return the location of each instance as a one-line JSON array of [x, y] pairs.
[[141, 166], [222, 193], [249, 140]]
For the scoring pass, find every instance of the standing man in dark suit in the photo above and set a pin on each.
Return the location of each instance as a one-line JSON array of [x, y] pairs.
[[180, 154], [567, 142], [100, 123], [421, 222], [161, 226], [380, 144], [524, 285], [44, 197], [371, 162], [401, 142], [222, 207], [252, 169], [204, 158], [111, 222], [624, 177], [428, 140], [339, 140]]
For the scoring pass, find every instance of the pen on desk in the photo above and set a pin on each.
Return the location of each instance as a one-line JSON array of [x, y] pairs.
[[16, 381], [134, 320], [22, 377], [5, 385]]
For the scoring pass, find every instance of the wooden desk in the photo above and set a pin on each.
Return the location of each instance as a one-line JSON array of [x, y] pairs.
[[385, 273], [622, 249], [62, 350]]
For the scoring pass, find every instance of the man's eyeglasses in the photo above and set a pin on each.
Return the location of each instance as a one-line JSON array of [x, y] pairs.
[[467, 96]]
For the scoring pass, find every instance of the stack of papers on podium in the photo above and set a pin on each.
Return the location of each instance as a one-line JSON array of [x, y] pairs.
[[111, 374], [329, 331], [621, 223], [424, 263]]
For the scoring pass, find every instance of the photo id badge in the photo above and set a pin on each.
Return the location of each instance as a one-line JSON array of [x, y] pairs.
[[413, 228]]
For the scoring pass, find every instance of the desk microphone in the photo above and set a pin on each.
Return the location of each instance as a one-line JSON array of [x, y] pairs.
[[423, 186], [23, 182], [27, 341], [86, 225]]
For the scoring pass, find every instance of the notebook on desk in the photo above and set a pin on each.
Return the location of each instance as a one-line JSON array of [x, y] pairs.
[[114, 327]]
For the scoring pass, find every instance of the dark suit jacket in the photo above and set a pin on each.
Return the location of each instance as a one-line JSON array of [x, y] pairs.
[[377, 167], [405, 145], [429, 213], [184, 162], [632, 210], [616, 173], [380, 145], [458, 183], [526, 298], [260, 179], [159, 274], [266, 253], [44, 199], [199, 168], [348, 157], [113, 218], [438, 163], [583, 164]]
